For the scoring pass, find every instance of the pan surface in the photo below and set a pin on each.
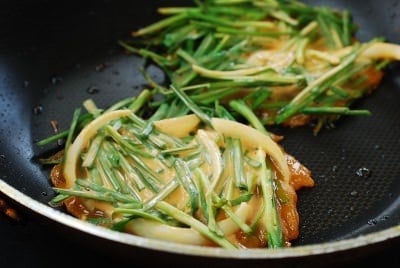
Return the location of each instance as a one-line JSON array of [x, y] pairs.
[[54, 56]]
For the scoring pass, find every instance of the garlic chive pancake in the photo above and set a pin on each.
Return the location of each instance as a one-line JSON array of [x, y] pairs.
[[218, 184]]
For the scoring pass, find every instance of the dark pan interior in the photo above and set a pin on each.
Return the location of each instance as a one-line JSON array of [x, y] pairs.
[[54, 55]]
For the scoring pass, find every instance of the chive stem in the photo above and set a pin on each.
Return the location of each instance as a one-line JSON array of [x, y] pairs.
[[185, 179], [195, 224], [72, 128], [192, 105], [241, 107], [272, 218]]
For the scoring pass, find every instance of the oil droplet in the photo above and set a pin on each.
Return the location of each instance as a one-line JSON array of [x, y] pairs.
[[363, 172], [44, 193], [100, 67], [92, 90], [38, 109], [384, 218], [354, 193], [55, 79], [372, 222], [334, 168]]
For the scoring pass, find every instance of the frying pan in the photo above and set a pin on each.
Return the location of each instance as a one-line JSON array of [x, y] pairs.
[[54, 55]]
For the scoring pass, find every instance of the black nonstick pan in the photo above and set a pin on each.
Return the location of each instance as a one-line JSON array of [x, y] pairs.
[[54, 55]]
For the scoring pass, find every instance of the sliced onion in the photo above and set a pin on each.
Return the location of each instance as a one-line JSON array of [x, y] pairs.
[[178, 126], [214, 153], [382, 50], [253, 139], [82, 141], [274, 59], [152, 229]]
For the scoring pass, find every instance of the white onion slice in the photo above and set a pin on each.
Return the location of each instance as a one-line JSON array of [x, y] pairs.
[[382, 50], [252, 138], [152, 229], [214, 153], [82, 140], [178, 126]]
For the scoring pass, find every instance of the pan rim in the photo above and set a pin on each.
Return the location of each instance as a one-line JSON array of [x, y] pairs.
[[199, 251]]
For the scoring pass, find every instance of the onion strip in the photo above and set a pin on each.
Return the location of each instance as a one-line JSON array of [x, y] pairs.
[[152, 229], [82, 141], [252, 138]]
